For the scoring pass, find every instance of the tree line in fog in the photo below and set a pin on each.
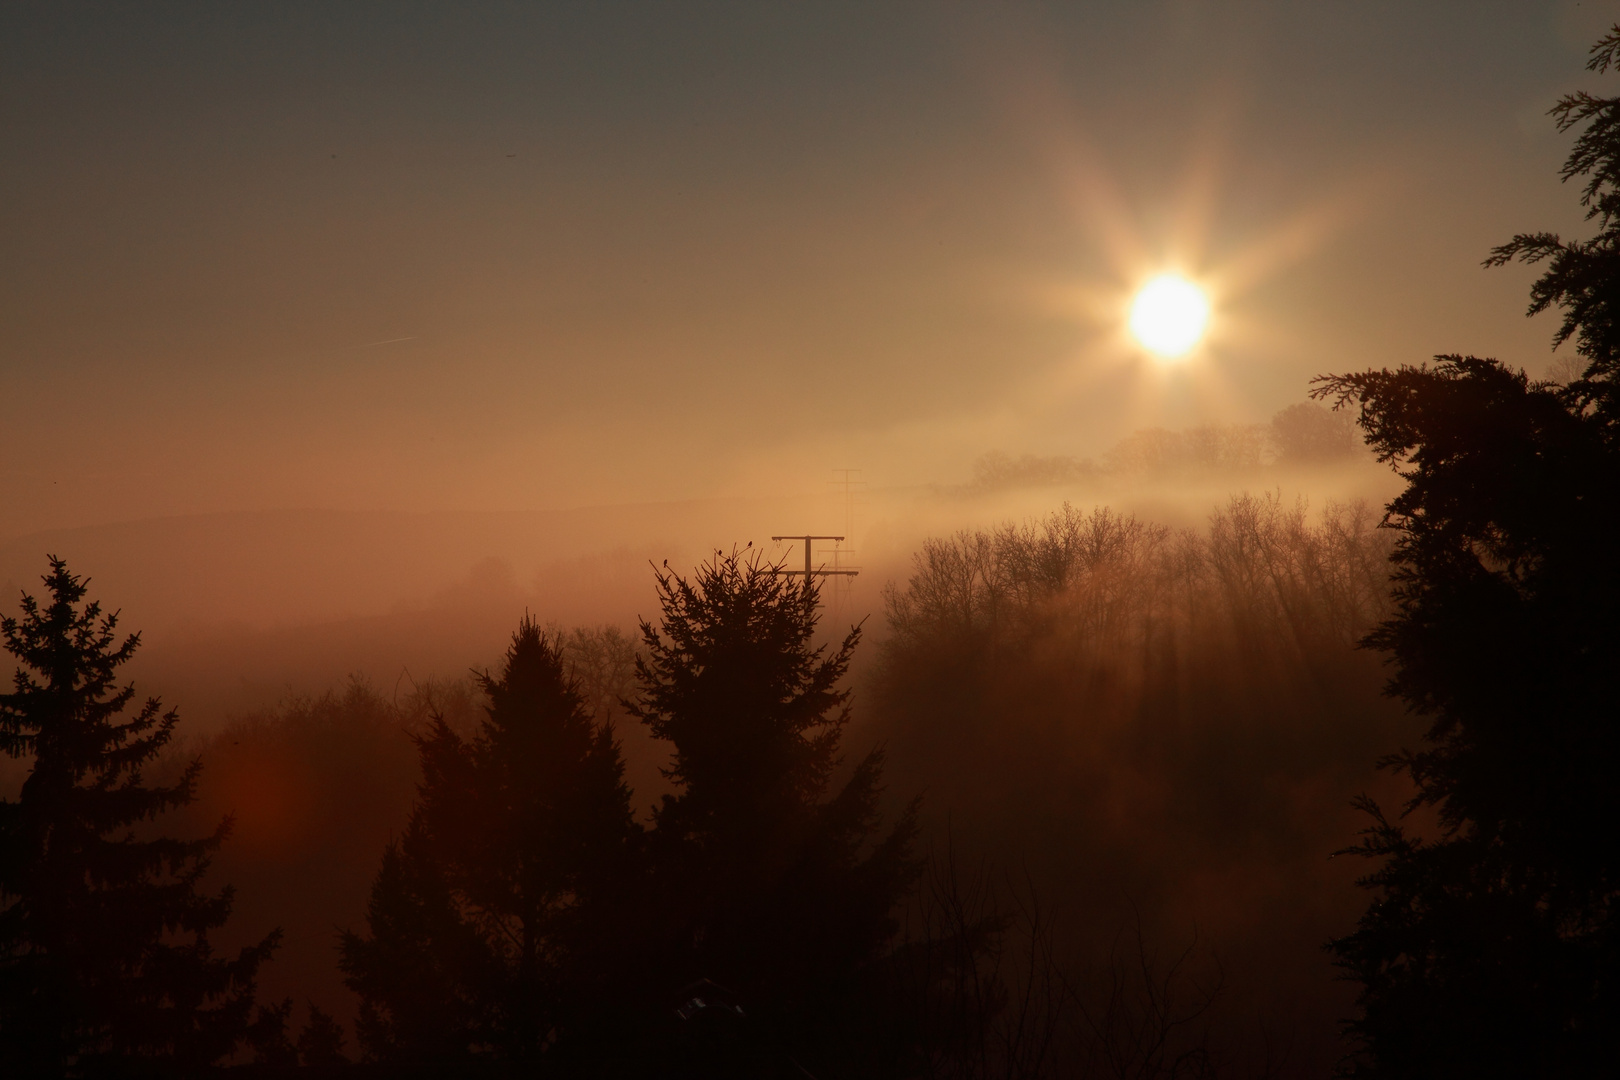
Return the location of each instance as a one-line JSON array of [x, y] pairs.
[[1305, 434]]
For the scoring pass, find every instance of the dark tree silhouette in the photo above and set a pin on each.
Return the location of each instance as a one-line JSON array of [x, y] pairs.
[[494, 919], [105, 964], [320, 1044], [1491, 948], [1582, 275], [767, 884]]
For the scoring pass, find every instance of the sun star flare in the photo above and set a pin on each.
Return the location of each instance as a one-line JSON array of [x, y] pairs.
[[1169, 316]]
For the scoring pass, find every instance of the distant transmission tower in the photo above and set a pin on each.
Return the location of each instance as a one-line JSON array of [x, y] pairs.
[[843, 587], [847, 480]]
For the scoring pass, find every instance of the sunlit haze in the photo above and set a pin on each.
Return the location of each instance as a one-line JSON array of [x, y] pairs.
[[539, 257]]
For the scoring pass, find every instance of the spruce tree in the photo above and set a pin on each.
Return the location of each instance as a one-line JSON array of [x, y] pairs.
[[492, 922], [1582, 278], [1492, 945], [105, 964], [770, 881]]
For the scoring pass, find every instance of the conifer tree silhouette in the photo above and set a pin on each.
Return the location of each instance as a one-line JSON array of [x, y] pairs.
[[1581, 275], [766, 884], [105, 964], [320, 1044], [1493, 948], [491, 921]]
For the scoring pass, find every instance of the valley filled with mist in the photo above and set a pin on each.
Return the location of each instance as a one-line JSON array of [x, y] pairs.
[[1126, 691]]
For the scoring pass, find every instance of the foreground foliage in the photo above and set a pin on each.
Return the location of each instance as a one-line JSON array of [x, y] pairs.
[[105, 963], [1493, 947], [772, 880], [525, 919], [492, 920]]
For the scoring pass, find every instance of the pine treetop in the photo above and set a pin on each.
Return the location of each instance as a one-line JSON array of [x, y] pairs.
[[90, 908], [64, 711], [731, 679]]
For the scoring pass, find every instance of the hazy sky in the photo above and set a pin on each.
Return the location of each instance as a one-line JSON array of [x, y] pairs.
[[491, 256]]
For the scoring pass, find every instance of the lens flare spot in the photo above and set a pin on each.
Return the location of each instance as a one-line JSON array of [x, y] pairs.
[[1169, 316]]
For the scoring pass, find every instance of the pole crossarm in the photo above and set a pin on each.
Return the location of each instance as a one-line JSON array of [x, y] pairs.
[[818, 572], [810, 570]]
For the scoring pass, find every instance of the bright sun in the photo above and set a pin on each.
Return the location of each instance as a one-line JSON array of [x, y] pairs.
[[1169, 315]]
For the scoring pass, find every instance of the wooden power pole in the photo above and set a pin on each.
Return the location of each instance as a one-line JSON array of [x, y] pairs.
[[810, 570]]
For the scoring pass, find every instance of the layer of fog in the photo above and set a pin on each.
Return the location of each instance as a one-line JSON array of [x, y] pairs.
[[238, 611]]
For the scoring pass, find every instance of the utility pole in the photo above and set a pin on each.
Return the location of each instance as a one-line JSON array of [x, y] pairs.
[[810, 570]]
